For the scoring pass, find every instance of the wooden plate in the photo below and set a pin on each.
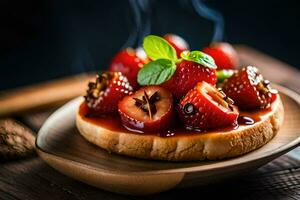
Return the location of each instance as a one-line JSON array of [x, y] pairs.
[[62, 147]]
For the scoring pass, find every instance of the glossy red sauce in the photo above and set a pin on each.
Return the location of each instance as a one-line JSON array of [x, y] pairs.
[[113, 123]]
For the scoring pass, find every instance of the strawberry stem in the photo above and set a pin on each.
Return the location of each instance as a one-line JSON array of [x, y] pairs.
[[179, 60]]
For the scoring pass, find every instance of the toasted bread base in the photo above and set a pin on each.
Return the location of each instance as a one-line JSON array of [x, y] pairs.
[[212, 145]]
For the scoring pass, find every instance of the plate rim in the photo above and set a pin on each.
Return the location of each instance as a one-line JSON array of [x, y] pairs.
[[225, 163]]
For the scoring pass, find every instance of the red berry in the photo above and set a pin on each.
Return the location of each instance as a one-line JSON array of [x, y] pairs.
[[249, 89], [104, 94], [129, 62], [177, 42], [187, 75], [224, 55], [204, 107], [148, 109], [274, 97]]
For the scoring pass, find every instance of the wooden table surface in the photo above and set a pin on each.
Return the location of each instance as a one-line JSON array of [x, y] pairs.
[[33, 179]]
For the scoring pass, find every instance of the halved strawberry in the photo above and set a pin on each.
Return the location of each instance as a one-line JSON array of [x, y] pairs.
[[104, 94], [129, 62], [224, 55], [177, 42], [249, 89], [204, 107], [187, 75], [148, 109]]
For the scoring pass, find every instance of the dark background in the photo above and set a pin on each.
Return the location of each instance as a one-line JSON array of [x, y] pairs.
[[46, 39]]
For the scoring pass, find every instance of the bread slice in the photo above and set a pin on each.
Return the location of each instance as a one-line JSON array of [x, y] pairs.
[[211, 145]]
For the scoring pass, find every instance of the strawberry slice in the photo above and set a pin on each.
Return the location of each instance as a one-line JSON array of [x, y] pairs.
[[204, 107], [187, 75], [224, 55], [148, 109], [249, 89], [104, 94], [129, 62], [177, 42]]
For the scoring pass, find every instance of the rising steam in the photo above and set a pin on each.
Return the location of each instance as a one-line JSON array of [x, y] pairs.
[[141, 10], [142, 24], [212, 15]]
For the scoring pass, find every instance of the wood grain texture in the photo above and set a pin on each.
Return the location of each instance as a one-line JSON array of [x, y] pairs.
[[43, 95], [34, 179]]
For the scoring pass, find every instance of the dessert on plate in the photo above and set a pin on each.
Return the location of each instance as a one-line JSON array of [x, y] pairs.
[[166, 102]]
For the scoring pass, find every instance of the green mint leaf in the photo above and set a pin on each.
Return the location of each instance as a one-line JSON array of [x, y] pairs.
[[157, 48], [156, 72], [200, 58], [224, 74]]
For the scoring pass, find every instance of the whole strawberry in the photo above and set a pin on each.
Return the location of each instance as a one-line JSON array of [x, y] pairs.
[[204, 107], [177, 42], [187, 75], [178, 75], [104, 94], [224, 55], [129, 62], [249, 89]]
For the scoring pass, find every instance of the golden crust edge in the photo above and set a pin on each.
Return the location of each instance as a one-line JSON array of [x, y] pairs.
[[210, 146]]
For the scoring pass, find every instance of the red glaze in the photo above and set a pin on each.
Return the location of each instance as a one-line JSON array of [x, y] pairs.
[[129, 62], [248, 89], [187, 75], [204, 108], [177, 42], [136, 115], [113, 123], [104, 94], [224, 55]]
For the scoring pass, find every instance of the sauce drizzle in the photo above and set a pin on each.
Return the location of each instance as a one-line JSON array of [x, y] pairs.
[[114, 123], [244, 120]]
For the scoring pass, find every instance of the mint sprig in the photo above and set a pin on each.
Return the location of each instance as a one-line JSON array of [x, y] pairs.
[[164, 61], [200, 58], [157, 48], [156, 72]]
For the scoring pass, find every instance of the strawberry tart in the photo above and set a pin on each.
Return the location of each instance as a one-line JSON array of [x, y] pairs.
[[166, 102]]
